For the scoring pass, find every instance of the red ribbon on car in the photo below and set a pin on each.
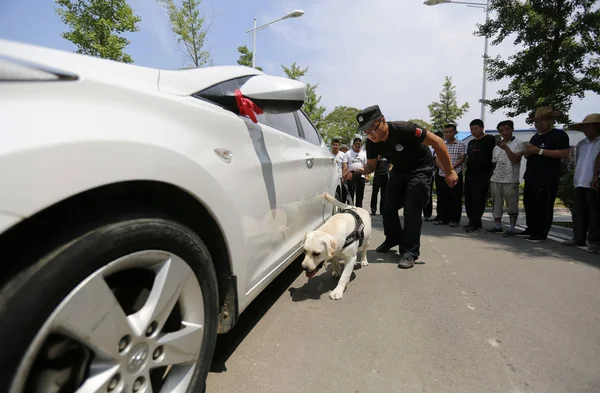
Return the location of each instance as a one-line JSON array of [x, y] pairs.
[[246, 106]]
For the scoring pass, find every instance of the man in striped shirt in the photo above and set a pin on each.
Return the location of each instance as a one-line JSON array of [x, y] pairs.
[[449, 202]]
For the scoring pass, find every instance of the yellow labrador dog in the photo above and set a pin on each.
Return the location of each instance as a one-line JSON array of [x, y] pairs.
[[340, 238]]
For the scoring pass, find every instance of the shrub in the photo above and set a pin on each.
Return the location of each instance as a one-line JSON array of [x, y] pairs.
[[565, 189]]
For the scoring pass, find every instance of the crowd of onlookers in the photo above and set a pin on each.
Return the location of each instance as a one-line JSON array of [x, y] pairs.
[[492, 164]]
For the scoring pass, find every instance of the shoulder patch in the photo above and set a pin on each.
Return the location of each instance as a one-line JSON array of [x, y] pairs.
[[418, 132]]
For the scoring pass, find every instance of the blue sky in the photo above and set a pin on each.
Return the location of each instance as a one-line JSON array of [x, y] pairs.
[[392, 53]]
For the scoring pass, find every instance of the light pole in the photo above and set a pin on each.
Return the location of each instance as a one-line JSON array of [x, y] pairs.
[[486, 7], [293, 14]]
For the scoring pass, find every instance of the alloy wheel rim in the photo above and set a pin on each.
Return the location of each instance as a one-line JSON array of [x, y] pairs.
[[163, 334]]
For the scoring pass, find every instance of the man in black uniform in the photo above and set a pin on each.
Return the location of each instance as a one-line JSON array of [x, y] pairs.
[[404, 144], [478, 173]]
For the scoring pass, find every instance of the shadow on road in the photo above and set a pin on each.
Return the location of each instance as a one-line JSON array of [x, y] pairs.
[[228, 343], [317, 286], [496, 242]]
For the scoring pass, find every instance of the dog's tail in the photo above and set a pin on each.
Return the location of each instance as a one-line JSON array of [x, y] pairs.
[[335, 202]]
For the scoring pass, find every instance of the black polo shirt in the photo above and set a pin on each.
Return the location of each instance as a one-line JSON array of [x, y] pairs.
[[544, 168], [403, 148], [479, 156]]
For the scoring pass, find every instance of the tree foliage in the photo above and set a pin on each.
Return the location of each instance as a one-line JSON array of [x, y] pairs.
[[559, 44], [96, 26], [423, 124], [246, 57], [446, 110], [341, 124], [188, 27], [311, 104]]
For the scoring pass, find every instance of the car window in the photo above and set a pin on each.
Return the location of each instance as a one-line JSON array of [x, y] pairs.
[[310, 133], [285, 122]]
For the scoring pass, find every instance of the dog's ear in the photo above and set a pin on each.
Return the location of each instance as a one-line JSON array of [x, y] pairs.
[[331, 246]]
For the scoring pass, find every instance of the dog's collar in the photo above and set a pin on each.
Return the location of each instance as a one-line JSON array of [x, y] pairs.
[[359, 229]]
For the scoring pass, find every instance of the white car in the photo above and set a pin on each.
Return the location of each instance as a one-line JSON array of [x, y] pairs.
[[140, 215]]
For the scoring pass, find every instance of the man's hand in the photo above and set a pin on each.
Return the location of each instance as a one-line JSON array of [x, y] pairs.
[[532, 149], [596, 183], [348, 176], [503, 145], [451, 179]]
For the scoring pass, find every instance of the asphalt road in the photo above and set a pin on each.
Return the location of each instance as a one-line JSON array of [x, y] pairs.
[[480, 313]]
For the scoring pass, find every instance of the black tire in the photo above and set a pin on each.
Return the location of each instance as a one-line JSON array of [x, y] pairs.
[[28, 299]]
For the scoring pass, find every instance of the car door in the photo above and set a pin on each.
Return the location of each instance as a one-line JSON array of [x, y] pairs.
[[323, 177], [276, 210]]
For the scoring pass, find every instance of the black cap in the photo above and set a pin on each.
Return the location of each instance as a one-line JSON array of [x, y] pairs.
[[367, 116]]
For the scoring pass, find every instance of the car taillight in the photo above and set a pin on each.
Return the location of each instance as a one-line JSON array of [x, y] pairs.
[[17, 71]]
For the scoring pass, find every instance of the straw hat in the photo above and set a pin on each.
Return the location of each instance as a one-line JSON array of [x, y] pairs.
[[545, 111], [589, 119]]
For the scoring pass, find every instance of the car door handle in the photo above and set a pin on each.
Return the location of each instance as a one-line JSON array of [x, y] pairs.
[[310, 161]]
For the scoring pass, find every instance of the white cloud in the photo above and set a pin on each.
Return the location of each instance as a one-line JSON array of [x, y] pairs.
[[395, 54]]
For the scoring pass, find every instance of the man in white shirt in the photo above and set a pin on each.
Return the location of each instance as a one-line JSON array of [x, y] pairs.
[[355, 160], [586, 200], [505, 180], [340, 159]]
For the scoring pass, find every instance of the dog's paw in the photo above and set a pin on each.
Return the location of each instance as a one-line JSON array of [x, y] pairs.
[[335, 273], [336, 294], [364, 263]]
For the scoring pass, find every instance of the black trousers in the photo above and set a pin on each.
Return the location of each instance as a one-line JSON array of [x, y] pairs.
[[449, 204], [356, 187], [538, 200], [476, 195], [379, 184], [408, 191], [343, 196], [586, 216], [428, 209]]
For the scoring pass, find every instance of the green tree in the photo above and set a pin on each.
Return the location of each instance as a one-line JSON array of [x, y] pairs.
[[188, 27], [341, 124], [96, 26], [446, 110], [311, 105], [559, 52], [423, 124], [246, 57]]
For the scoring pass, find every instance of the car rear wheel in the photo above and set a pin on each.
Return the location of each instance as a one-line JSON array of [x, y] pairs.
[[130, 307]]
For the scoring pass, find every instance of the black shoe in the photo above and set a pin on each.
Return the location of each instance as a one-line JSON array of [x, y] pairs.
[[494, 230], [407, 261], [471, 229], [385, 247], [440, 223], [454, 224], [535, 239]]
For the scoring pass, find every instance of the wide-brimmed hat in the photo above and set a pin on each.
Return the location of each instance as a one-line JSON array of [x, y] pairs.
[[545, 111], [593, 118]]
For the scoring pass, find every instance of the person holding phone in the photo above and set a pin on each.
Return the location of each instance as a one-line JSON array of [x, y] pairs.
[[505, 179]]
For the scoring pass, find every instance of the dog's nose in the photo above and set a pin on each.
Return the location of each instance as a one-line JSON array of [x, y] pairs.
[[305, 268]]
